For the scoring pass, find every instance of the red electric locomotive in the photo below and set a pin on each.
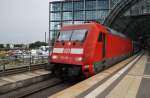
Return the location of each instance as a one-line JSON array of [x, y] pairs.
[[86, 49]]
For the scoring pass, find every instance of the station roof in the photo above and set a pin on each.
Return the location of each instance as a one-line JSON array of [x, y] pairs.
[[136, 26]]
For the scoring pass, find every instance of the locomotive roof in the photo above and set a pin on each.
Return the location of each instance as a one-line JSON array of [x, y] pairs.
[[111, 31]]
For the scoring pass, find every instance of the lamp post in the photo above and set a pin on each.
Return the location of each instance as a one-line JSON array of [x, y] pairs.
[[45, 37]]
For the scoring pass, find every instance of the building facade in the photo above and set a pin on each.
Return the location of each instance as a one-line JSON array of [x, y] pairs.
[[65, 12]]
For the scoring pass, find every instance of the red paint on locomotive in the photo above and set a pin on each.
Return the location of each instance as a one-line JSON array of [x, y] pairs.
[[90, 46]]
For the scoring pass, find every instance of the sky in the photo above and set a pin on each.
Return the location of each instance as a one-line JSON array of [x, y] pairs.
[[23, 21]]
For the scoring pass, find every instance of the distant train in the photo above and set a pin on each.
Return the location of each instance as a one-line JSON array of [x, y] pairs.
[[86, 49]]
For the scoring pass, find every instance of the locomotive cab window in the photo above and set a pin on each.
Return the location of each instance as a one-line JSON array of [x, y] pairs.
[[79, 35], [72, 35], [64, 35]]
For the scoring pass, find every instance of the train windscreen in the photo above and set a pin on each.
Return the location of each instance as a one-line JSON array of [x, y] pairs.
[[64, 35], [72, 35]]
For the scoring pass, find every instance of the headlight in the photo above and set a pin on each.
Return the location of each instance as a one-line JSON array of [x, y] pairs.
[[86, 67], [54, 57], [79, 59]]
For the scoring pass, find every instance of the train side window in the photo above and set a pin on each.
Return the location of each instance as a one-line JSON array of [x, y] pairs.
[[100, 38]]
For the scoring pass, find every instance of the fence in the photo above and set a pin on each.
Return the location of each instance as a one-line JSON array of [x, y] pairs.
[[21, 61]]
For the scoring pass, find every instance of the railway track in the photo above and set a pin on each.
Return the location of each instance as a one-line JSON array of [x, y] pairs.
[[21, 69], [47, 87], [31, 89]]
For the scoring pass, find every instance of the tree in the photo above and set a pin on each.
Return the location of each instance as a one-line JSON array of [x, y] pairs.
[[8, 46], [37, 44], [1, 46], [19, 45]]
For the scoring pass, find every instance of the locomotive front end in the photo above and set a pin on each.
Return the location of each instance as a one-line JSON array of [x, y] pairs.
[[69, 47], [68, 51]]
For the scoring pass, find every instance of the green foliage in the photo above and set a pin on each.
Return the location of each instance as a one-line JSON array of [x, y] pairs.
[[37, 45], [1, 46], [7, 45], [18, 45]]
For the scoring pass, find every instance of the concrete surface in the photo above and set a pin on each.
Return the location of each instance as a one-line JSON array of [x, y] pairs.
[[15, 81], [128, 87]]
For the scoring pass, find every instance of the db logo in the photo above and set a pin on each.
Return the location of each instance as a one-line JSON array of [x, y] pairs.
[[67, 50]]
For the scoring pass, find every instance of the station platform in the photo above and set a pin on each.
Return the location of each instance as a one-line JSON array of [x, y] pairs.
[[128, 79], [15, 81]]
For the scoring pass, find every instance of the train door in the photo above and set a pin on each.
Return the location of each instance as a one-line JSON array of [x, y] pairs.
[[102, 40], [98, 66]]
